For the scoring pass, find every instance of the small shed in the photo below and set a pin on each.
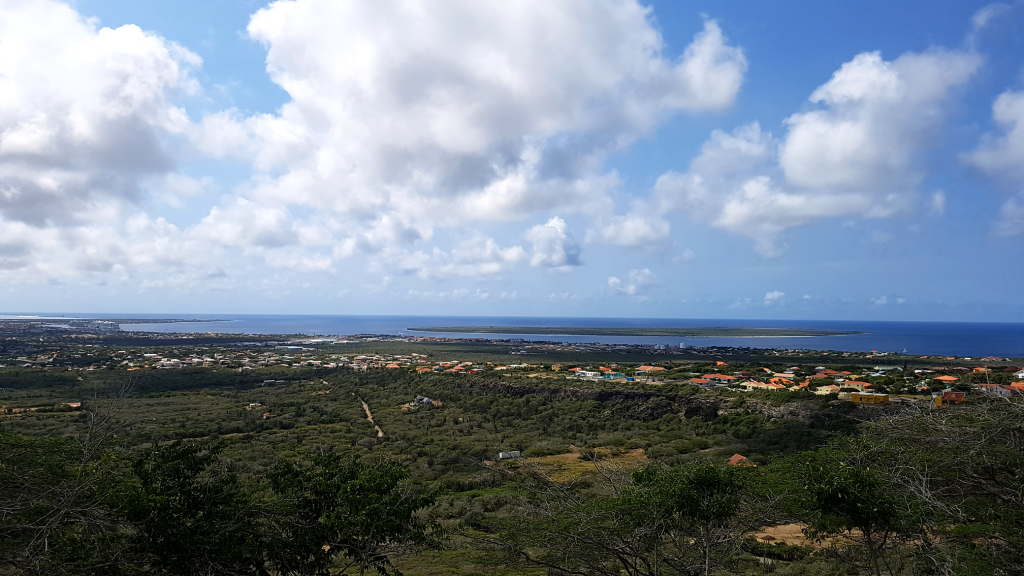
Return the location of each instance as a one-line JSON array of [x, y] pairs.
[[510, 455]]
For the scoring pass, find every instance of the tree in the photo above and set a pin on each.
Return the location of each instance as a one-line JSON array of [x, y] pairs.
[[57, 514], [335, 507], [698, 507], [683, 519], [843, 496], [195, 516]]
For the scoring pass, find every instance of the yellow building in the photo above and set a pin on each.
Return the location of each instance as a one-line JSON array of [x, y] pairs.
[[869, 398]]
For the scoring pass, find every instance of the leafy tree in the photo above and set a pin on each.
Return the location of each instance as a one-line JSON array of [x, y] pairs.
[[335, 507], [698, 507], [195, 516], [844, 497], [683, 519], [56, 511]]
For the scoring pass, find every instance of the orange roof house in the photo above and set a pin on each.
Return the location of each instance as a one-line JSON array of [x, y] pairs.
[[946, 378], [740, 460]]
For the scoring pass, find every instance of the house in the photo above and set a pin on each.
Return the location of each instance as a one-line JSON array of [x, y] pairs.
[[953, 397], [996, 390], [699, 381], [860, 386], [740, 460], [720, 377], [510, 455], [1019, 374], [869, 398], [946, 379], [614, 375], [830, 389]]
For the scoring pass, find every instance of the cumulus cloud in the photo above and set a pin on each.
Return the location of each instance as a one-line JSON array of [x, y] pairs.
[[553, 245], [474, 257], [446, 109], [82, 118], [1000, 156], [637, 281], [440, 112], [631, 230], [773, 297], [856, 154], [85, 117]]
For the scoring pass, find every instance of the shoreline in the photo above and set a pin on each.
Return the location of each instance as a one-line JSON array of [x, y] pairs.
[[704, 332]]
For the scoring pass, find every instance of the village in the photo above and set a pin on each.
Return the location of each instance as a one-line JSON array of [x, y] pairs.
[[840, 373]]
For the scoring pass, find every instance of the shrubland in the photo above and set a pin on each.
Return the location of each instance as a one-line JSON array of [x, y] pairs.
[[205, 471]]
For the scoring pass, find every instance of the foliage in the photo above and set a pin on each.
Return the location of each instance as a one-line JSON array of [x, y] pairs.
[[682, 519], [335, 506]]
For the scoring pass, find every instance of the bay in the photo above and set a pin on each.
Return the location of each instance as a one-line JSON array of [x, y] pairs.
[[922, 338]]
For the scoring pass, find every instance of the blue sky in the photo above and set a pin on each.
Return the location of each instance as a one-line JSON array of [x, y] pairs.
[[581, 158]]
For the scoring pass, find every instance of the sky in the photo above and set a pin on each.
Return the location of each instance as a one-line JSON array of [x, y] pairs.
[[611, 158]]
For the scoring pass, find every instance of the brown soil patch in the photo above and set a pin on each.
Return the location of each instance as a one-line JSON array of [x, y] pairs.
[[786, 533]]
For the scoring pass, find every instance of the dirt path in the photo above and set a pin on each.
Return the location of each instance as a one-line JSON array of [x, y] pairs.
[[369, 416]]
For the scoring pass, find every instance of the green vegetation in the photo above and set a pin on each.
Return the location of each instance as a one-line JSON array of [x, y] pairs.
[[709, 332], [277, 470]]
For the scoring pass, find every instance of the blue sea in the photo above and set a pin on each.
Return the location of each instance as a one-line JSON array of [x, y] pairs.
[[924, 338]]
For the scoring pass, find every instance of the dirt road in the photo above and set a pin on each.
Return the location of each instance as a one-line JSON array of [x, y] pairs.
[[369, 416]]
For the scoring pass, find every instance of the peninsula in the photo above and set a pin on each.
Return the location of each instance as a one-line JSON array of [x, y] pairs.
[[709, 332]]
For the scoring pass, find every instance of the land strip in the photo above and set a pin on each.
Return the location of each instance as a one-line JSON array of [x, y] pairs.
[[709, 332]]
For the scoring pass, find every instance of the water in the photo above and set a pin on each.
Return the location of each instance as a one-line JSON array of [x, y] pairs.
[[925, 338]]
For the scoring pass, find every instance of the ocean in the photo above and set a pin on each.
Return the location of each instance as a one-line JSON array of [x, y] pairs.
[[923, 338]]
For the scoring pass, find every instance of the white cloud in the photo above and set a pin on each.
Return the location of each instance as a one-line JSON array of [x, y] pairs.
[[474, 257], [983, 17], [553, 245], [1001, 157], [81, 118], [939, 203], [441, 112], [773, 297], [858, 154], [637, 281], [86, 116], [1011, 217], [444, 110], [631, 230]]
